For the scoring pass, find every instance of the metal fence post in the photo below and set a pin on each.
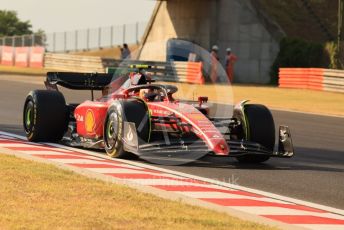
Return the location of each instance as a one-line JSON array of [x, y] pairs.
[[111, 37], [45, 44], [23, 40], [76, 40], [33, 40], [65, 41], [13, 41], [54, 42], [137, 32], [88, 39], [99, 37], [124, 32]]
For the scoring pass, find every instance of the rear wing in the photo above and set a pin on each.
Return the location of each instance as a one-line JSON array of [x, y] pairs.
[[79, 81]]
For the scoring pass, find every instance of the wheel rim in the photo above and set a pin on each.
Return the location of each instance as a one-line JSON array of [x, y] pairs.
[[28, 117], [111, 130]]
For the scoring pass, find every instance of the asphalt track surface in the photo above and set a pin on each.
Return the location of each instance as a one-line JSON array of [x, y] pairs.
[[315, 173]]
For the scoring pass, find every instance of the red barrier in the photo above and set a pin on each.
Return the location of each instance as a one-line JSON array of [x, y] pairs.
[[21, 56], [7, 57], [301, 78], [194, 73], [37, 57]]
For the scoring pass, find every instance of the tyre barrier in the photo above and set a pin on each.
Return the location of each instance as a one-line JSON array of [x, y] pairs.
[[189, 72], [312, 78]]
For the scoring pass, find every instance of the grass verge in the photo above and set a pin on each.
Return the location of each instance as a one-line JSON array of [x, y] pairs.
[[41, 196], [301, 100], [22, 70], [113, 52]]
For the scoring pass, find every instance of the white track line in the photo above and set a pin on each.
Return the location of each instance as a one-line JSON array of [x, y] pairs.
[[15, 145], [113, 170], [320, 226], [76, 161], [165, 182], [6, 137], [284, 211], [221, 195], [33, 152], [6, 134]]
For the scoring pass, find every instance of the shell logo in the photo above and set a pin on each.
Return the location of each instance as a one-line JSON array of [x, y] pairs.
[[89, 121], [130, 134]]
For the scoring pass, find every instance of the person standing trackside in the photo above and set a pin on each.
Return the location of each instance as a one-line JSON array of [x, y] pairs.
[[121, 50], [230, 60], [125, 52], [214, 63]]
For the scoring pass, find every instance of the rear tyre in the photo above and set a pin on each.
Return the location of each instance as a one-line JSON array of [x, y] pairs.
[[261, 129], [45, 116], [131, 110]]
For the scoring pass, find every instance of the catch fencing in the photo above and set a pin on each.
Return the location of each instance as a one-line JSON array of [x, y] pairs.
[[80, 40], [312, 78]]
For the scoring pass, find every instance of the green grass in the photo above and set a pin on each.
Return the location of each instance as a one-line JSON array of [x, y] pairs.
[[41, 196]]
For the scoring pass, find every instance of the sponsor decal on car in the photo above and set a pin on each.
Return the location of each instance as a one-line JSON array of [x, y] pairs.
[[89, 121]]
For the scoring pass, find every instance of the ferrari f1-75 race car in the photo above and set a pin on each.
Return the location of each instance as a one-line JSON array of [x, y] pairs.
[[137, 116]]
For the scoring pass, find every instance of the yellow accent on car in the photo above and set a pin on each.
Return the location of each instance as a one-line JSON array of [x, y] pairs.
[[140, 66], [89, 121]]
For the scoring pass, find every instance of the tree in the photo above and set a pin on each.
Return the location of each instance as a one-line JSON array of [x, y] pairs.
[[11, 25]]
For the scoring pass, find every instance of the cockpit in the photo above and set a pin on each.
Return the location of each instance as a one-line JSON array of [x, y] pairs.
[[139, 84]]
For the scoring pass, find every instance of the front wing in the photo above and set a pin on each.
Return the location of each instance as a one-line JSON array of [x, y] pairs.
[[180, 147]]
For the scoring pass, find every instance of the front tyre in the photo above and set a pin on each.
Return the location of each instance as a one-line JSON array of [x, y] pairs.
[[130, 110], [45, 116], [260, 129], [113, 133]]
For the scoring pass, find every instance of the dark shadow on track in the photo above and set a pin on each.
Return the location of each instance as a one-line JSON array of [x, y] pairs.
[[325, 160], [333, 161]]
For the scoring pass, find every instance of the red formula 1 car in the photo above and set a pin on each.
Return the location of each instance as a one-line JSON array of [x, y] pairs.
[[137, 116]]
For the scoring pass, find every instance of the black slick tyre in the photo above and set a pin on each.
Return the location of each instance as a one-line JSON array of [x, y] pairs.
[[45, 116], [261, 129]]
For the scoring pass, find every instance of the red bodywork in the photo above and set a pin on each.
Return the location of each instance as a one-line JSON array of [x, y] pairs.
[[90, 117]]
